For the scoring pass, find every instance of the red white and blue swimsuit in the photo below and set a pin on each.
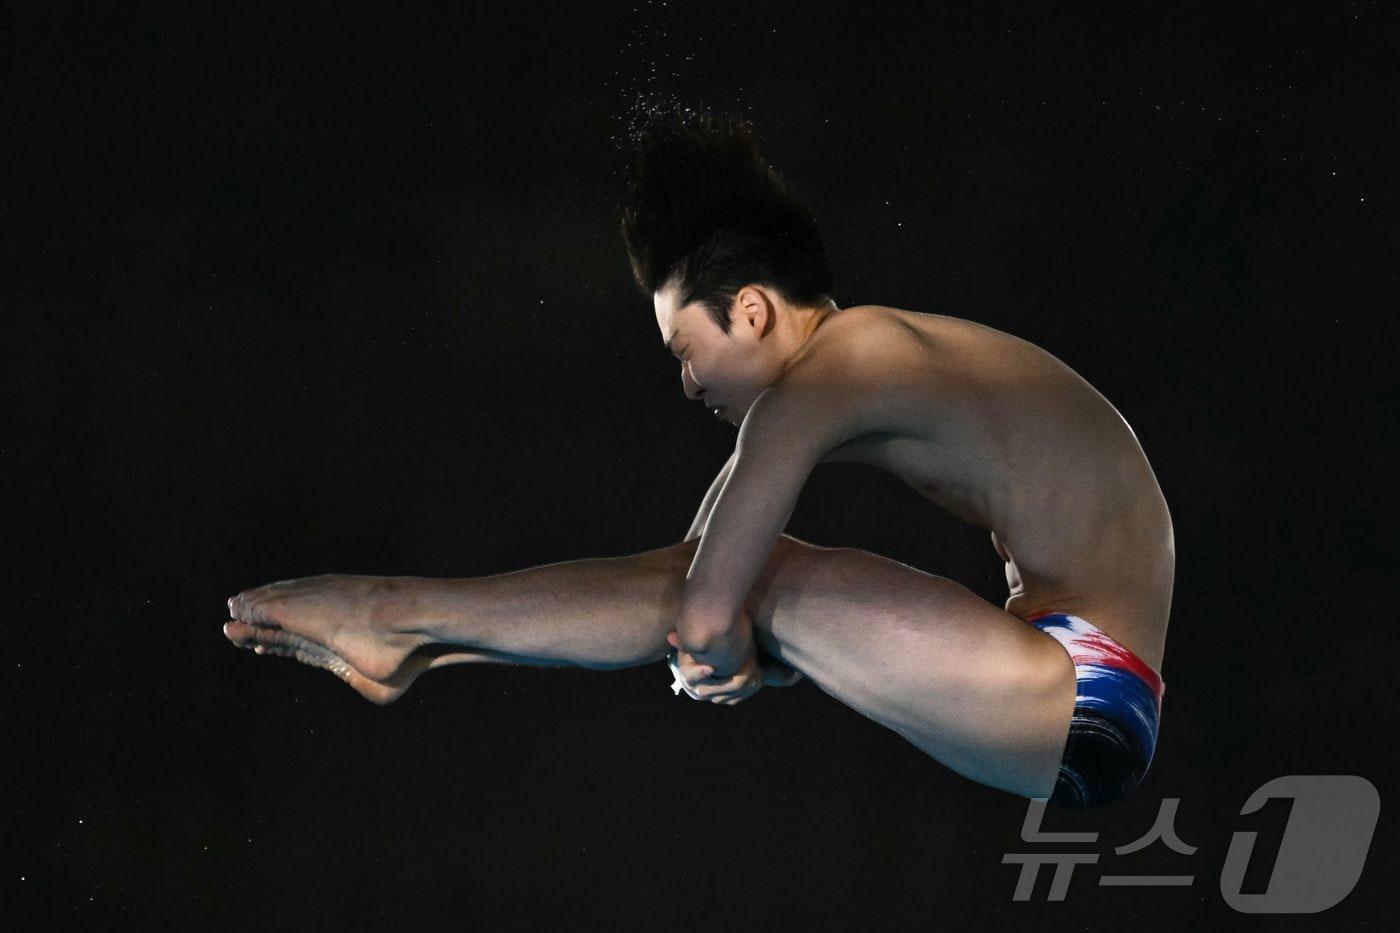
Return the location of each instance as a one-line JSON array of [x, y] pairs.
[[1117, 707]]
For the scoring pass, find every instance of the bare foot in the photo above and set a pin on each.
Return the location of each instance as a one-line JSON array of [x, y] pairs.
[[352, 626]]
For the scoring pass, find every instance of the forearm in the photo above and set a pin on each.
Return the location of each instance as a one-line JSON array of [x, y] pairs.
[[771, 462], [707, 505], [713, 628]]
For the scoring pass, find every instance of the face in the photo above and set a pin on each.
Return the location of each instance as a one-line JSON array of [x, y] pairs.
[[725, 371]]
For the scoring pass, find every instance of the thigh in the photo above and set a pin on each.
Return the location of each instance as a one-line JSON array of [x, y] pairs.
[[983, 692]]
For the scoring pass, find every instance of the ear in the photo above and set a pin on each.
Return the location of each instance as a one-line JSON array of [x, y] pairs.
[[754, 307]]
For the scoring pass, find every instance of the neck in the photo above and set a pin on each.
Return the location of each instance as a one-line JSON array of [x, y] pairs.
[[803, 324]]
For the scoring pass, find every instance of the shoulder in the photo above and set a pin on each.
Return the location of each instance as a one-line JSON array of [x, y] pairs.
[[844, 384], [868, 330], [864, 343]]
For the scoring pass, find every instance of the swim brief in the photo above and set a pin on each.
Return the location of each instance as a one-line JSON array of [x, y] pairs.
[[1117, 706]]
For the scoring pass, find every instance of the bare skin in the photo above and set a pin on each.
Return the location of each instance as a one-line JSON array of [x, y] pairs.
[[987, 426], [1006, 437]]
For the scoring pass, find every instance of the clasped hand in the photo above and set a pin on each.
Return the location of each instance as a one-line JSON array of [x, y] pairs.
[[700, 681]]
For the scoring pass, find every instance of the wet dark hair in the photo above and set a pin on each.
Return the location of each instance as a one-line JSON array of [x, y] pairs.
[[700, 203]]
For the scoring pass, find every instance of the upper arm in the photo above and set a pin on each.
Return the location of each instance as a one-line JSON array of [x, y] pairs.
[[822, 402], [849, 388]]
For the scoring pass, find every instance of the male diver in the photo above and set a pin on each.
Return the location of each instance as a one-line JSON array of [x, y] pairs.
[[1057, 695]]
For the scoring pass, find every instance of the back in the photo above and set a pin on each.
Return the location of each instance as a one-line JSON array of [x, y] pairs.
[[1006, 436]]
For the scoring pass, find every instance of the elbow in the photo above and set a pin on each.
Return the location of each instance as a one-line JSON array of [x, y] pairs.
[[699, 635]]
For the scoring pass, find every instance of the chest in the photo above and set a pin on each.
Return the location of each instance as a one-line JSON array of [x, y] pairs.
[[920, 464]]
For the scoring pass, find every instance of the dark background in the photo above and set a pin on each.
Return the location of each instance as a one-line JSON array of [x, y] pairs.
[[315, 289]]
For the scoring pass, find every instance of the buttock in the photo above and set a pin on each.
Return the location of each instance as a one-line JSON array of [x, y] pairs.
[[1117, 709]]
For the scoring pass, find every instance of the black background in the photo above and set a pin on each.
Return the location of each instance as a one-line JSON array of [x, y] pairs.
[[316, 289]]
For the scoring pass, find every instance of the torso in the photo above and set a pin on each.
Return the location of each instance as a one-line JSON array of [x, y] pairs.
[[1003, 435]]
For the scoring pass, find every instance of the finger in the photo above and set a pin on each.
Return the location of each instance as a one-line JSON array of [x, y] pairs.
[[673, 639], [715, 687], [685, 657], [709, 690], [694, 673], [741, 696], [695, 679], [694, 669]]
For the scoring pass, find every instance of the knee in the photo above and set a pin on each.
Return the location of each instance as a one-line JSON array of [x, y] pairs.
[[788, 552], [684, 552], [794, 564], [799, 553]]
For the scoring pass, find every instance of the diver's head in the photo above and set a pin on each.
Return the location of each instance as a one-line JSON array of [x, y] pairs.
[[728, 368], [718, 241]]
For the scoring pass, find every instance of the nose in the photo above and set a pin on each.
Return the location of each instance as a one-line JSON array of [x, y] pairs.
[[689, 385]]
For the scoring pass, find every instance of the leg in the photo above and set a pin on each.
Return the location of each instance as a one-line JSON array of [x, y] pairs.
[[981, 691]]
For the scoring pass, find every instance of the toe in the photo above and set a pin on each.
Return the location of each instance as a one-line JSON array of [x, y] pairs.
[[253, 607], [240, 633], [274, 641], [245, 635], [238, 606]]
